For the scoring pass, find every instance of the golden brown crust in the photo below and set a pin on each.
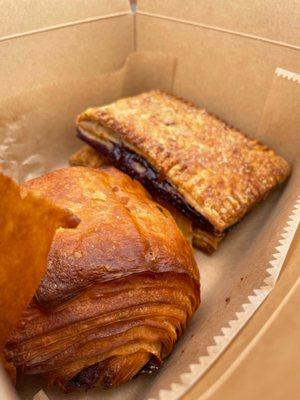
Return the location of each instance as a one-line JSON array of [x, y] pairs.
[[27, 226], [87, 157], [218, 170], [183, 223], [118, 291], [206, 241], [135, 235]]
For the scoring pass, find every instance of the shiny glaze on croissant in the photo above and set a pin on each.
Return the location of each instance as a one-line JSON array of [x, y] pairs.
[[118, 291]]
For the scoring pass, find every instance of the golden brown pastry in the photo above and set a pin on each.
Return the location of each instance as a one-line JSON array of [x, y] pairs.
[[87, 157], [27, 226], [118, 291], [208, 170]]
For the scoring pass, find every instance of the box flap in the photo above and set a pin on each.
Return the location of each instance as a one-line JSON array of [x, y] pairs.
[[46, 42], [19, 17], [267, 19], [231, 49]]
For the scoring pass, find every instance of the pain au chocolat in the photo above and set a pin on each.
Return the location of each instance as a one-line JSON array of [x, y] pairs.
[[118, 291], [211, 172]]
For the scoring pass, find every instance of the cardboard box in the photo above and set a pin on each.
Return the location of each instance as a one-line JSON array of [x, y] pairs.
[[237, 59]]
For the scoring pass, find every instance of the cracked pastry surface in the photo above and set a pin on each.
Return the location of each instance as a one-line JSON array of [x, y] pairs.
[[118, 291], [218, 172]]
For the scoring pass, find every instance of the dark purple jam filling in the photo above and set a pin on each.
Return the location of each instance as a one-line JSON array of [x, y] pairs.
[[138, 168], [86, 378], [151, 367]]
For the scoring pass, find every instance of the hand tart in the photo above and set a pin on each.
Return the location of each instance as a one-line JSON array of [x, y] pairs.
[[211, 172], [118, 291]]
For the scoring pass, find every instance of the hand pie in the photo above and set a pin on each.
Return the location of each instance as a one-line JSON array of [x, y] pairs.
[[118, 291], [211, 172]]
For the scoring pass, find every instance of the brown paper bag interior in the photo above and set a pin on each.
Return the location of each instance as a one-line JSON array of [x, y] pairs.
[[232, 75]]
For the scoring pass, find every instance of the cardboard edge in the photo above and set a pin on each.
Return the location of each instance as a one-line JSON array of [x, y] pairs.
[[217, 28], [65, 25], [256, 299], [291, 76]]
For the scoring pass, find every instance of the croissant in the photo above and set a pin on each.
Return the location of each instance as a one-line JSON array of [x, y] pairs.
[[118, 291]]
